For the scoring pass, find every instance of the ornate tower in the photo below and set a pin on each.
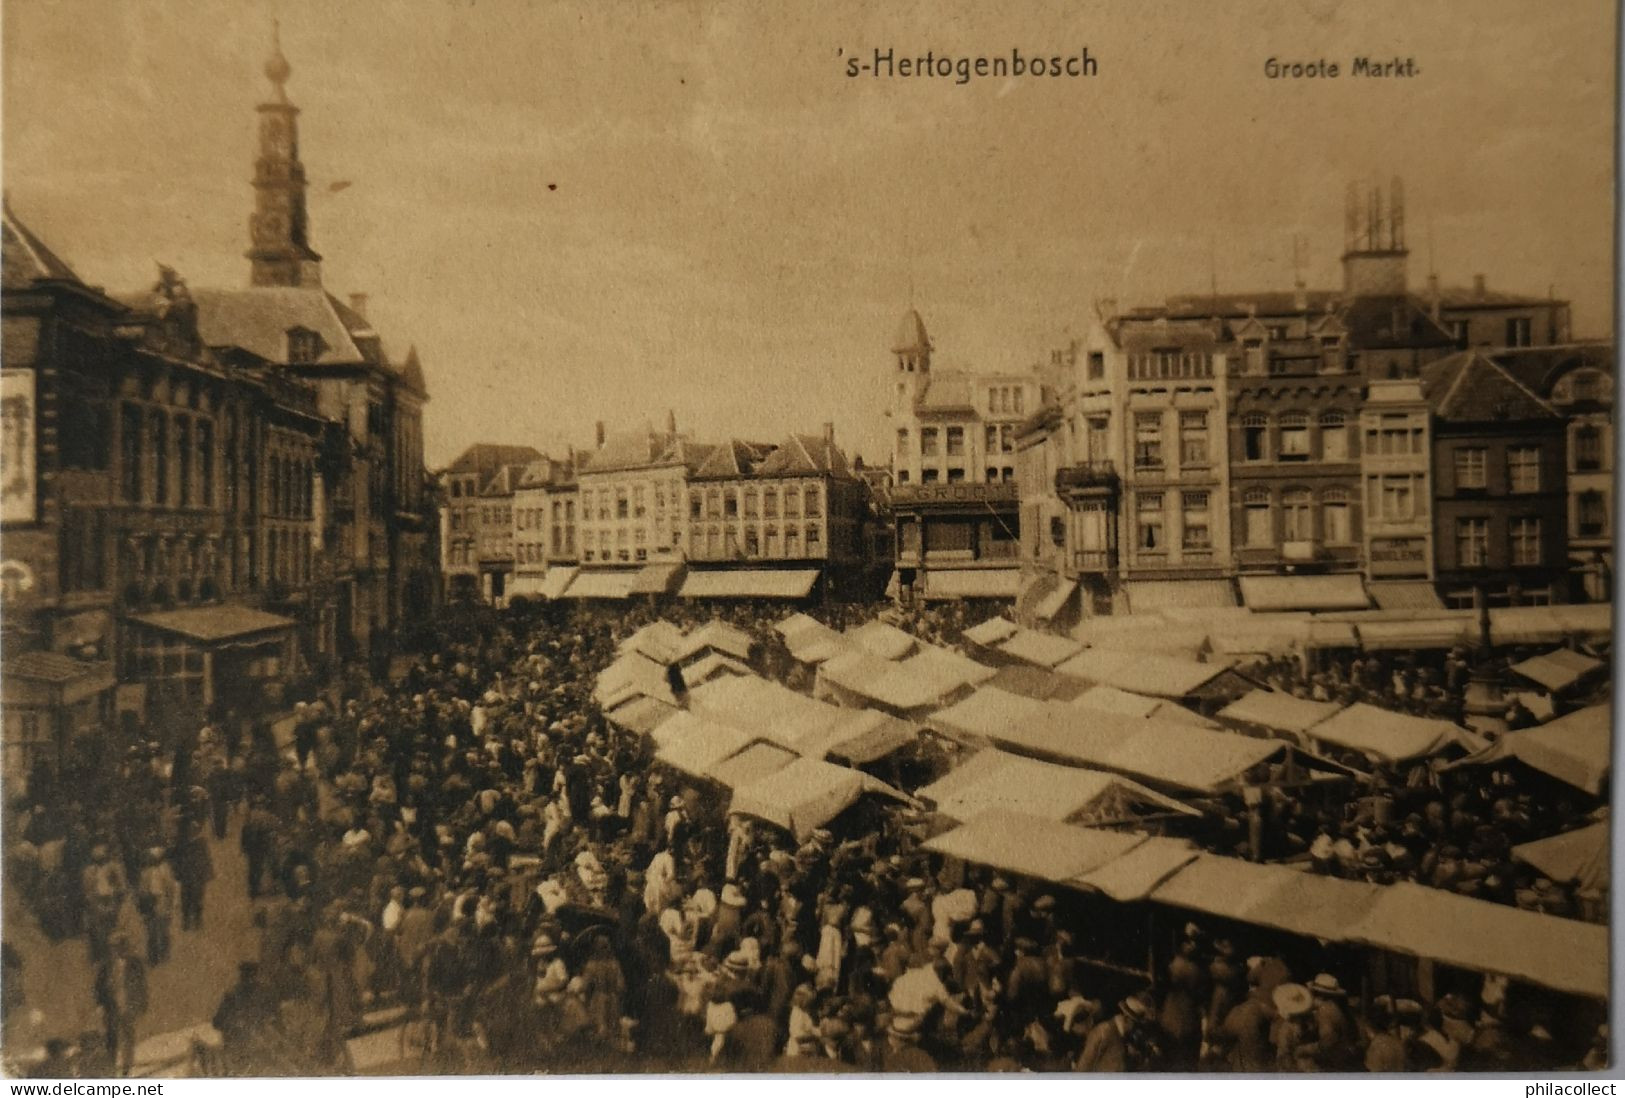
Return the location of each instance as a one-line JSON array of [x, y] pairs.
[[1374, 252], [912, 347], [280, 253]]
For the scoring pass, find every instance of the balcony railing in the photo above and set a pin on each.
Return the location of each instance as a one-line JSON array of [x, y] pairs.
[[1094, 560], [1086, 475]]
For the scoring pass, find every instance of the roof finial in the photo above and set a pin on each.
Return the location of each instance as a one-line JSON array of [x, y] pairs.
[[277, 68]]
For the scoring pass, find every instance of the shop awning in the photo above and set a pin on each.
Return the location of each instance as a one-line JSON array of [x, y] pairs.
[[1051, 604], [1577, 857], [46, 678], [527, 586], [1392, 737], [656, 579], [600, 585], [1338, 592], [1377, 635], [1032, 846], [557, 581], [1591, 619], [1278, 712], [972, 583], [749, 583], [1149, 596], [1557, 671], [1412, 595], [1525, 625], [214, 624]]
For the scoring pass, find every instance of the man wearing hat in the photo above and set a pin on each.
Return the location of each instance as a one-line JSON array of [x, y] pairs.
[[157, 898], [1181, 1015], [1331, 1046], [903, 1052], [1106, 1047]]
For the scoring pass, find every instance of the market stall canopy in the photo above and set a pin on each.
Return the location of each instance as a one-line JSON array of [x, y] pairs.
[[1038, 682], [1335, 592], [750, 764], [1562, 954], [1274, 896], [910, 686], [881, 639], [771, 711], [660, 641], [1112, 700], [805, 795], [710, 666], [991, 632], [1135, 874], [1166, 677], [714, 636], [632, 675], [696, 747], [1578, 857], [1278, 712], [810, 640], [39, 678], [861, 736], [945, 662], [1039, 649], [1017, 842], [210, 625], [1392, 737], [600, 585], [1150, 634], [1575, 748], [986, 715], [1559, 670], [1384, 634], [749, 583], [1587, 620], [996, 780], [641, 714]]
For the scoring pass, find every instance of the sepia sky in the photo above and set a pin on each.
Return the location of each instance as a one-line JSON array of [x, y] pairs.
[[736, 225]]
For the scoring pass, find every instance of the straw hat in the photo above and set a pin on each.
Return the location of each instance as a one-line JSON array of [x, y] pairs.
[[1326, 984], [1291, 999]]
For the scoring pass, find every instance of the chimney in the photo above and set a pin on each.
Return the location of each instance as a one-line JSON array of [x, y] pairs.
[[829, 433], [598, 431], [1478, 287], [358, 303]]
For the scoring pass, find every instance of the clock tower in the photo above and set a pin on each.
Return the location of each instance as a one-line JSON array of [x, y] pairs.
[[278, 231]]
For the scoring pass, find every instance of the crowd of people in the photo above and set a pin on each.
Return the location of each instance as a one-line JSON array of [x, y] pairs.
[[476, 853]]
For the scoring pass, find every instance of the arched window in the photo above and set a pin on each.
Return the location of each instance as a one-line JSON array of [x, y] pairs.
[[1294, 436], [1335, 516]]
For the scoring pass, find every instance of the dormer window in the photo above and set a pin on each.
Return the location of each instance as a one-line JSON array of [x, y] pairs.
[[304, 346]]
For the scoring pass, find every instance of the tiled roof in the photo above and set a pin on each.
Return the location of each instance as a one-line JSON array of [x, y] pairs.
[[258, 319], [946, 390], [1372, 322], [1377, 322], [809, 454], [733, 458], [625, 450], [25, 257], [1470, 387]]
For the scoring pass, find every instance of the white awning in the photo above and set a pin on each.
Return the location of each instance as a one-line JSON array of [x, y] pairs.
[[972, 583], [557, 580], [600, 585], [526, 586], [1339, 592], [1145, 596], [749, 583]]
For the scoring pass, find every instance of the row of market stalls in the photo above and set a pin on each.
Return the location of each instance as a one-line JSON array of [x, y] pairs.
[[1087, 768]]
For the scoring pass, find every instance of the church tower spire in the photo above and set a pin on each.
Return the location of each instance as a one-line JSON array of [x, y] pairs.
[[279, 251]]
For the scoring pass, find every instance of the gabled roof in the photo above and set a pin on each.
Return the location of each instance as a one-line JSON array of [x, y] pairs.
[[1471, 387], [545, 472], [805, 454], [411, 372], [1395, 321], [733, 458], [625, 450], [946, 390], [25, 257], [503, 481]]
